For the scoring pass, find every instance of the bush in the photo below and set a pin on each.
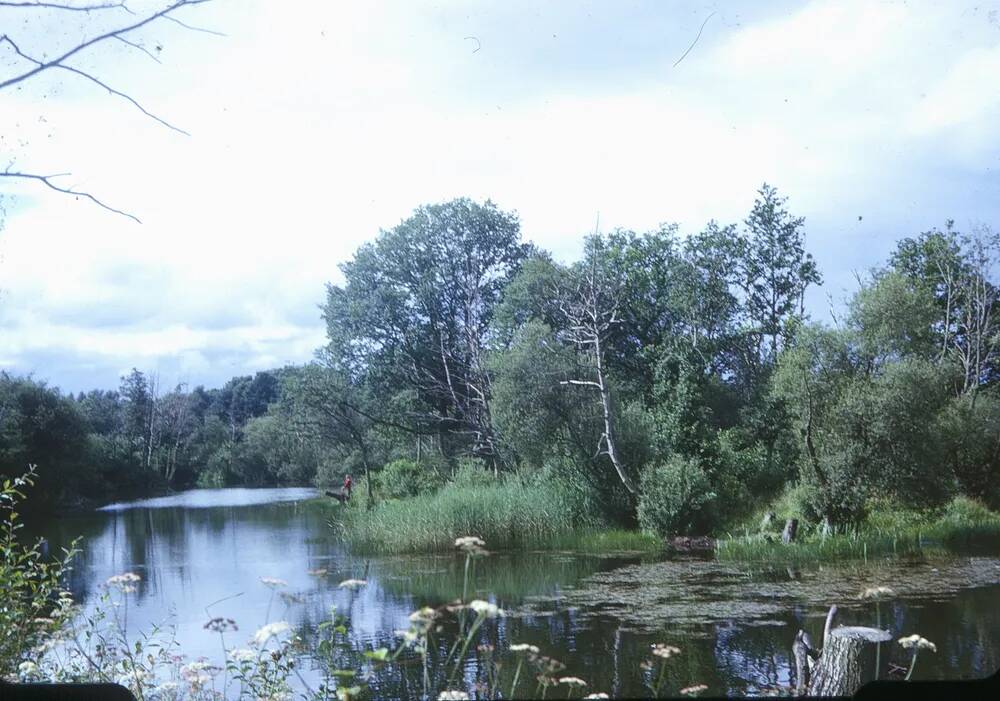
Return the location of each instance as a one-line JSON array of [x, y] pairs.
[[28, 583], [676, 497], [406, 478], [471, 473], [963, 510]]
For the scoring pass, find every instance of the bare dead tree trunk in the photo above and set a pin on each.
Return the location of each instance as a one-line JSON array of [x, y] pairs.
[[791, 529], [840, 666], [591, 312]]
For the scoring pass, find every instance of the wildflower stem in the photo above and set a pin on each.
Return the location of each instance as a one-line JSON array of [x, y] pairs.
[[878, 645], [517, 674], [468, 639], [659, 681], [913, 663]]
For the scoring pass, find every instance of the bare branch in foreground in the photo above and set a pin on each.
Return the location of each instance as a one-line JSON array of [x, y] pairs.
[[47, 180], [44, 65], [64, 6]]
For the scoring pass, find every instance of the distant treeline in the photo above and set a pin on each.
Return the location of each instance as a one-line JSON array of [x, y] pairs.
[[669, 379]]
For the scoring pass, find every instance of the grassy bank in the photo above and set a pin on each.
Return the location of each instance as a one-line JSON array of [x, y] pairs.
[[962, 525], [507, 515]]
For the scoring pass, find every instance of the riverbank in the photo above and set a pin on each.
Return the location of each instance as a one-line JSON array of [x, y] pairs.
[[962, 525]]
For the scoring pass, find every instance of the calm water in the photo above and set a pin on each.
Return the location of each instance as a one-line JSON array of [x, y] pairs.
[[202, 553]]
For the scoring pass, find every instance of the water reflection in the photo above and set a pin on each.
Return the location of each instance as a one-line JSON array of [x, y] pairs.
[[599, 615]]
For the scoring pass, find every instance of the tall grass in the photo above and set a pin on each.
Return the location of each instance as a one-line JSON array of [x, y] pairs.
[[508, 514], [963, 524]]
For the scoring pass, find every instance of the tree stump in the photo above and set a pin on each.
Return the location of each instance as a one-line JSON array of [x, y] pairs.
[[839, 669], [791, 528]]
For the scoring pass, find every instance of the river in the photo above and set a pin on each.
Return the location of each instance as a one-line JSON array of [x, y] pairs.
[[202, 554]]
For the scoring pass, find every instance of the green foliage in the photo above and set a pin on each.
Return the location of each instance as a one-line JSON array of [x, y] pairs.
[[407, 478], [29, 582], [970, 436], [471, 473], [534, 414], [676, 498]]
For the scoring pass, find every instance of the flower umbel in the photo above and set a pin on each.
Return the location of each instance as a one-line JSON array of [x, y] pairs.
[[269, 631], [918, 642], [485, 608], [692, 690], [665, 651]]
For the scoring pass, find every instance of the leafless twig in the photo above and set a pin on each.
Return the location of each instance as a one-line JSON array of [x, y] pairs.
[[47, 180], [695, 40]]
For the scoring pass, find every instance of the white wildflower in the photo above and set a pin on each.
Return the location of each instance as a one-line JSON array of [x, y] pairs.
[[269, 631], [196, 674], [353, 584], [524, 647], [424, 615], [242, 654], [165, 689], [572, 681], [485, 608], [692, 690], [598, 695], [273, 582], [123, 581], [27, 668], [665, 651], [918, 642], [453, 696]]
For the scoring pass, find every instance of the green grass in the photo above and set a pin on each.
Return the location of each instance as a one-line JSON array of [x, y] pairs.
[[506, 515], [963, 524]]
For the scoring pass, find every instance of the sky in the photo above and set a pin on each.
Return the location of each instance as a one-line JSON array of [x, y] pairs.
[[313, 125]]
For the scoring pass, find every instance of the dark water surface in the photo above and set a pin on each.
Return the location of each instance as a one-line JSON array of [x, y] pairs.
[[202, 554]]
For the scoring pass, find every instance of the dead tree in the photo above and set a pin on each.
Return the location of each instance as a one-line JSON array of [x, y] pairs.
[[839, 666], [791, 529], [591, 311], [58, 59]]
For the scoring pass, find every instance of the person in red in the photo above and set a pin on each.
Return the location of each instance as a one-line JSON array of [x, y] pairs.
[[347, 486]]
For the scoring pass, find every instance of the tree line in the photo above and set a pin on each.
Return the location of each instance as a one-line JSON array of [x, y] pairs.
[[671, 379]]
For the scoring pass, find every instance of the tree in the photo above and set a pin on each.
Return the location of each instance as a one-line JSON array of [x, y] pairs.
[[775, 270], [958, 268], [103, 23], [591, 305], [416, 309]]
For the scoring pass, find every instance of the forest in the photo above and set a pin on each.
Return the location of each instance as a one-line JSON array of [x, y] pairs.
[[667, 380]]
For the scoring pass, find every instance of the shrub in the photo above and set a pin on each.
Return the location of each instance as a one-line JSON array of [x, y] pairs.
[[471, 473], [28, 584], [406, 478], [676, 497]]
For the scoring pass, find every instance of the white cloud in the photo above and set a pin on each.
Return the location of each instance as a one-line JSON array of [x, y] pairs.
[[312, 129]]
